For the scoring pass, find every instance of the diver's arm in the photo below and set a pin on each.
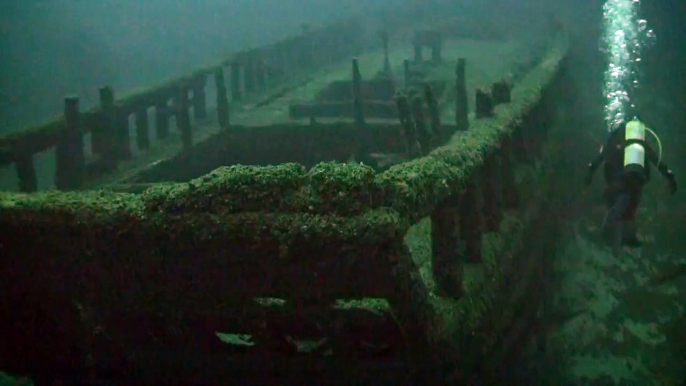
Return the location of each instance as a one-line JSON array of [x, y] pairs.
[[662, 167]]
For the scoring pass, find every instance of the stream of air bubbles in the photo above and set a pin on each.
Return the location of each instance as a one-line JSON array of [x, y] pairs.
[[624, 38]]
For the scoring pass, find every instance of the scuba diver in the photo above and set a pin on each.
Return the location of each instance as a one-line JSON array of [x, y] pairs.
[[626, 171]]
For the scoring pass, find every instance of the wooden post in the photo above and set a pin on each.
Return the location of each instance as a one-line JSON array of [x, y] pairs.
[[285, 61], [386, 60], [417, 44], [109, 151], [461, 102], [357, 94], [26, 171], [519, 145], [71, 163], [261, 75], [142, 132], [484, 104], [471, 222], [183, 120], [237, 81], [446, 264], [408, 74], [420, 123], [436, 48], [222, 99], [249, 76], [199, 97], [434, 113], [500, 92], [119, 121], [161, 116], [122, 132], [510, 196], [407, 128], [492, 215]]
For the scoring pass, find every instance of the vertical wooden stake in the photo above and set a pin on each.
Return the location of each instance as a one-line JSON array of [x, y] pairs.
[[108, 149], [142, 132], [199, 98], [461, 102], [386, 60], [357, 94], [507, 164], [492, 214], [162, 116], [500, 92], [408, 74], [484, 104], [436, 48], [471, 222], [183, 120], [26, 171], [417, 44], [71, 163], [446, 262], [237, 82], [222, 99]]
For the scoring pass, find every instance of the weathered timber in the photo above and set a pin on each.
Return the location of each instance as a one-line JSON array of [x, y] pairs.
[[483, 104], [370, 109], [500, 92], [446, 263], [142, 131], [357, 94], [26, 171], [491, 182], [70, 159], [162, 114], [105, 143], [237, 81], [471, 220], [199, 97], [461, 102], [183, 120], [510, 196], [407, 74], [222, 99]]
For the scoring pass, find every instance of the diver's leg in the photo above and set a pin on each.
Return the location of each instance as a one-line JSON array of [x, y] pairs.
[[615, 226], [630, 236]]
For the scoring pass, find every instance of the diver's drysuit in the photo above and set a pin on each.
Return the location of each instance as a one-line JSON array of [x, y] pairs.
[[626, 171]]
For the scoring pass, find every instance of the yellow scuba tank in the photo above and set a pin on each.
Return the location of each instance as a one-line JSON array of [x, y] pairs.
[[634, 150]]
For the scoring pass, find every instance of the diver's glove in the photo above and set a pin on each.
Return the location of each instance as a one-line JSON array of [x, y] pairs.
[[672, 182]]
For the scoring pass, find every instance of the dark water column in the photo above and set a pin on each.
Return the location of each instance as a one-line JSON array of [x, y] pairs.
[[71, 162]]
